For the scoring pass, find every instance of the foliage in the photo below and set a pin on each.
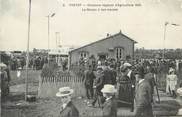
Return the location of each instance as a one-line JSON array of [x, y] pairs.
[[149, 53], [49, 70], [4, 58]]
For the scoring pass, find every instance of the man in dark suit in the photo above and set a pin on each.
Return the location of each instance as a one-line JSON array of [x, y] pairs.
[[110, 105], [89, 79], [149, 76], [114, 74], [69, 111], [108, 75], [67, 108], [98, 85], [143, 96]]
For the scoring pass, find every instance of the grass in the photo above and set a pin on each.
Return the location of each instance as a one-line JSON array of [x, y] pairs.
[[161, 77], [50, 107], [33, 77], [166, 107]]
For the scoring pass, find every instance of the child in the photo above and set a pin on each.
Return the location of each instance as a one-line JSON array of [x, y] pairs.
[[172, 80]]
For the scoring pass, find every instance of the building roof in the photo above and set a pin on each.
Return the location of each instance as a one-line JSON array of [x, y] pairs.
[[110, 36], [60, 51]]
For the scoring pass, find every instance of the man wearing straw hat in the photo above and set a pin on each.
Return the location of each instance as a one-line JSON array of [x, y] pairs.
[[67, 109], [110, 105]]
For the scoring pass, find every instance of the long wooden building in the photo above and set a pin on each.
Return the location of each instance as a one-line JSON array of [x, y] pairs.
[[116, 46]]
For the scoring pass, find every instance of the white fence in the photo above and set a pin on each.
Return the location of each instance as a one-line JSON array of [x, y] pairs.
[[49, 86]]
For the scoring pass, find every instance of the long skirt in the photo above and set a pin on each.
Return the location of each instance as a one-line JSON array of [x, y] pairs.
[[125, 94]]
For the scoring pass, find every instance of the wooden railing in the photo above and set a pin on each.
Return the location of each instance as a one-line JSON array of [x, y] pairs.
[[49, 86]]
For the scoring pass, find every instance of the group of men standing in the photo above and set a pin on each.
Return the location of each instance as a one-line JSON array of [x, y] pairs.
[[134, 87], [95, 81]]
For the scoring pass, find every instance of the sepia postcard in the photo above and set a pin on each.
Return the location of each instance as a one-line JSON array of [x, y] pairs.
[[83, 58]]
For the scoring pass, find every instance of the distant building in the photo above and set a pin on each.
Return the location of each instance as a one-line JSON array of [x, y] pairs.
[[116, 46], [17, 53], [60, 54]]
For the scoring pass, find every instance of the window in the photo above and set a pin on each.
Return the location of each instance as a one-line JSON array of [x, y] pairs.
[[119, 53], [83, 54]]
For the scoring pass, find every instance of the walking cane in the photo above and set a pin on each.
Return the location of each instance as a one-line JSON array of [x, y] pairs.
[[157, 88], [132, 103], [157, 93]]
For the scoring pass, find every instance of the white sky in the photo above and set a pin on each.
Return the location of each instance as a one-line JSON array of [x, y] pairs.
[[144, 24]]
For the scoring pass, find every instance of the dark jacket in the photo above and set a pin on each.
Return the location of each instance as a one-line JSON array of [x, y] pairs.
[[110, 108], [69, 111], [114, 75], [89, 78], [99, 83], [108, 75], [143, 100], [150, 78]]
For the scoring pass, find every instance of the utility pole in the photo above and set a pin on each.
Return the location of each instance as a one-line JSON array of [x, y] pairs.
[[165, 27], [57, 45], [27, 60], [48, 31], [57, 39]]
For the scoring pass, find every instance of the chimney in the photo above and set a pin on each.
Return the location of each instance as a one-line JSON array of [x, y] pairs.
[[120, 31], [108, 34]]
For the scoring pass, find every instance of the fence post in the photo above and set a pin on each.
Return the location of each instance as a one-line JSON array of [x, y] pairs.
[[40, 86], [48, 86]]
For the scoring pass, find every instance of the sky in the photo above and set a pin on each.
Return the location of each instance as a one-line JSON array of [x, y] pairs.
[[144, 24]]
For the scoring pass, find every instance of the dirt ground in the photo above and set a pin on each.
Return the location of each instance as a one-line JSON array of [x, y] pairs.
[[15, 106]]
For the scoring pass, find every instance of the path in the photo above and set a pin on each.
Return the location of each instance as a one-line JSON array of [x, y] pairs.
[[50, 107]]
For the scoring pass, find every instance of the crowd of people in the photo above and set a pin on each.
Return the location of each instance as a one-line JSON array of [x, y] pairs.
[[35, 63], [110, 84], [134, 80], [159, 65], [126, 84], [101, 87]]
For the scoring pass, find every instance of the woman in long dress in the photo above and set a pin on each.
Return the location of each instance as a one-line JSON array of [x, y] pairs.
[[172, 82]]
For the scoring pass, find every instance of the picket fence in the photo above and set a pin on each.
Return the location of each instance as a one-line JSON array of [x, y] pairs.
[[49, 86]]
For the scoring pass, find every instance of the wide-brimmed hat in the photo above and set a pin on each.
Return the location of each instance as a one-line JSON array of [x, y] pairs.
[[64, 91], [171, 70], [2, 65], [179, 91], [108, 88], [125, 66], [99, 68]]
